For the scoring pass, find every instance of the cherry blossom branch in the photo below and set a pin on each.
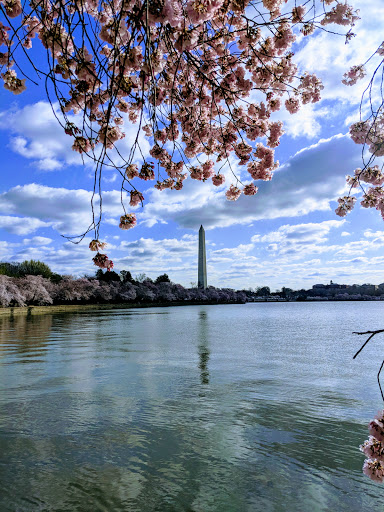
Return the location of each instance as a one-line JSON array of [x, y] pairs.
[[185, 68]]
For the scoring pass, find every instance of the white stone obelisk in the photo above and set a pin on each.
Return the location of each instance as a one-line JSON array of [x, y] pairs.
[[202, 269]]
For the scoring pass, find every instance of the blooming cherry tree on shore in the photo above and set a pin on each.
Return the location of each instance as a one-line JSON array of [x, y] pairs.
[[199, 78]]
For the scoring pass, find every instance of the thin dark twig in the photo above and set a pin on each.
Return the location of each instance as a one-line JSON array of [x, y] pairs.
[[378, 380], [372, 334]]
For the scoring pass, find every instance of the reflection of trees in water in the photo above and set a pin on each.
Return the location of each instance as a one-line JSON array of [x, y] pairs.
[[203, 349], [25, 332]]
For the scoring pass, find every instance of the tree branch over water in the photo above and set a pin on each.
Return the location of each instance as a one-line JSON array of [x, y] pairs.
[[372, 334]]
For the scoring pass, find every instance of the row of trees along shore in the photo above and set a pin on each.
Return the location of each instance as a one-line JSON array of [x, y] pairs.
[[33, 283]]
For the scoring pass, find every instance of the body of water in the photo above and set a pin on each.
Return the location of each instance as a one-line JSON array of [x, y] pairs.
[[228, 408]]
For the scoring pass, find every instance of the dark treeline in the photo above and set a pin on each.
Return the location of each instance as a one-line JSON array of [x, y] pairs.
[[33, 283]]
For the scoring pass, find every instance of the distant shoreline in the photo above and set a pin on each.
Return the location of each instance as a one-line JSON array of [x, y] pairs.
[[81, 308]]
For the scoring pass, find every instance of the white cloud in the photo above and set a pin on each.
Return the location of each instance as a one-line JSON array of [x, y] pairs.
[[307, 183], [374, 234], [6, 250], [168, 248], [238, 252], [360, 247], [305, 123], [300, 233], [38, 136], [67, 211], [37, 240], [300, 239], [66, 258], [21, 225]]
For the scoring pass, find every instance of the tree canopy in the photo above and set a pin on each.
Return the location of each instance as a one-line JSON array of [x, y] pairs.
[[27, 268], [201, 80]]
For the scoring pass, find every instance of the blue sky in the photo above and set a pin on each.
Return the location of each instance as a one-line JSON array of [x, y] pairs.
[[286, 235]]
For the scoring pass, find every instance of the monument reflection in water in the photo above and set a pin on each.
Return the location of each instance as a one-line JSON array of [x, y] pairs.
[[203, 348]]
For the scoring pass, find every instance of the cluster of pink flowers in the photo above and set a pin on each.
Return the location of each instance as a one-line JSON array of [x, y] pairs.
[[218, 179], [373, 197], [128, 221], [82, 145], [233, 193], [370, 133], [102, 261], [147, 172], [203, 172], [346, 204], [131, 171], [373, 448], [341, 14], [380, 50], [292, 105], [372, 175], [250, 190], [12, 83], [353, 75], [136, 198], [168, 183], [310, 88], [109, 135], [96, 245], [262, 169]]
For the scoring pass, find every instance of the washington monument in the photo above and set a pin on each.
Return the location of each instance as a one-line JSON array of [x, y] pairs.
[[202, 269]]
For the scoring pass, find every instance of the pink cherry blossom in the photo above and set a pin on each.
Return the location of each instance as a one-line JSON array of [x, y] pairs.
[[373, 449], [96, 245], [102, 261], [12, 83], [131, 171], [298, 13], [218, 179], [82, 145], [380, 50], [146, 172], [128, 221], [162, 185], [197, 173], [233, 193], [208, 169], [374, 469], [13, 8], [341, 14], [4, 59], [376, 427], [136, 198], [292, 105], [346, 204], [353, 75], [250, 190]]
